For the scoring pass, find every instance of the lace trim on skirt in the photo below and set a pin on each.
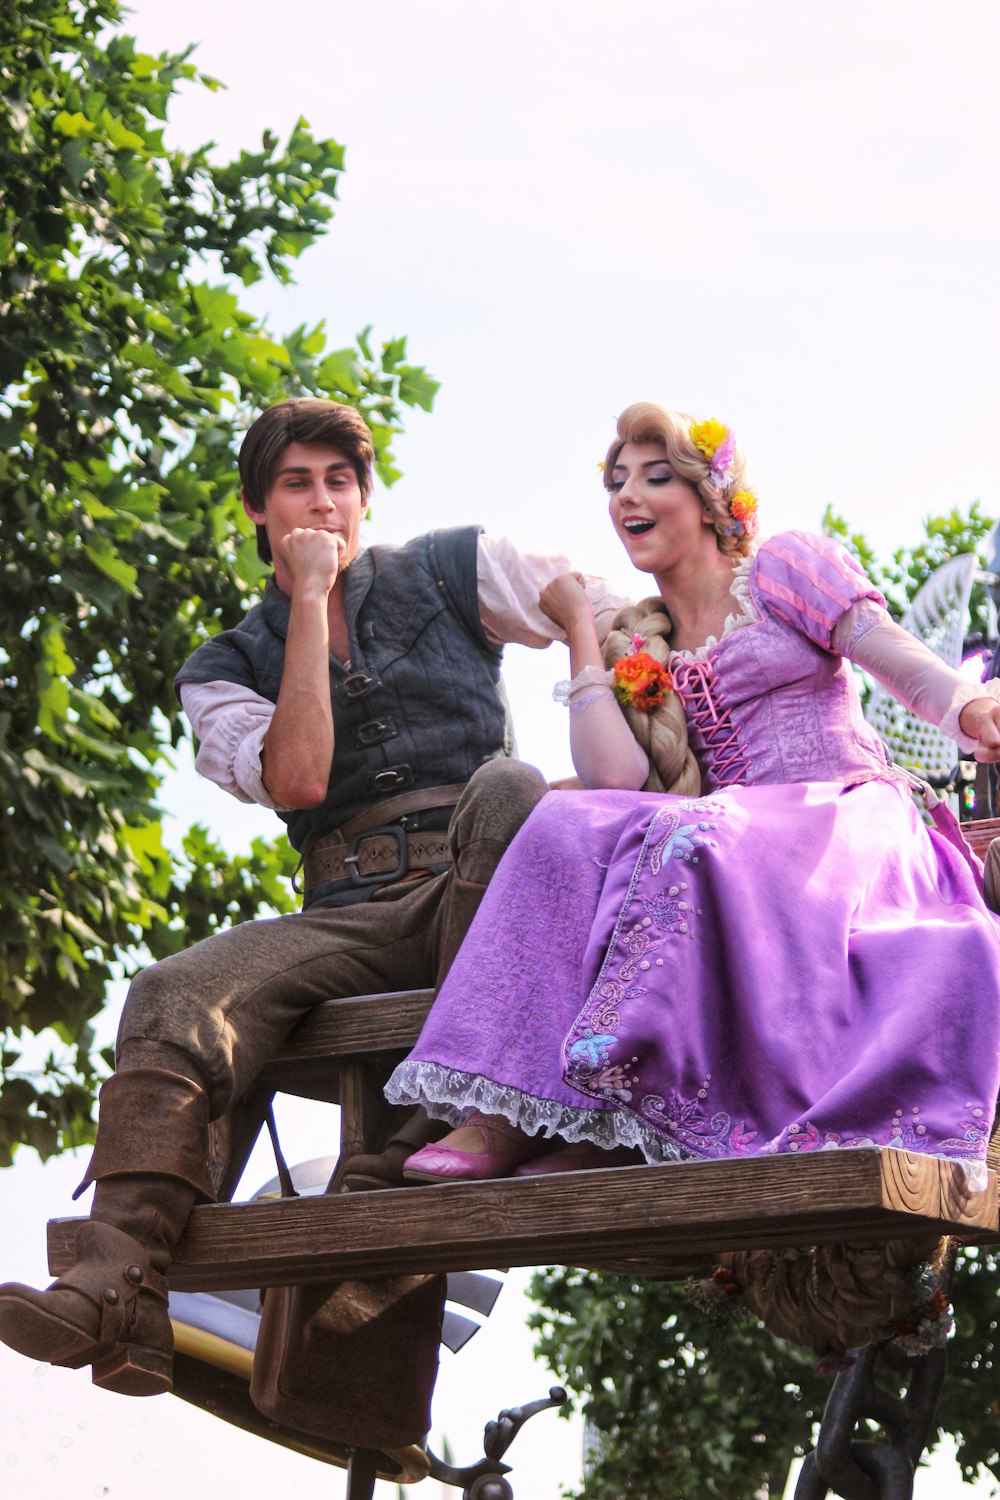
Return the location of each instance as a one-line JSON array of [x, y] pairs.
[[448, 1094]]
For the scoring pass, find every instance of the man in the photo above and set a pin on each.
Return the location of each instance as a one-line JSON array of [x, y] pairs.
[[362, 701]]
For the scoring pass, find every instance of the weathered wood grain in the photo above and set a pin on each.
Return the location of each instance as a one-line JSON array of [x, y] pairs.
[[364, 1112], [980, 833], [935, 1189], [359, 1026], [369, 1027], [664, 1219]]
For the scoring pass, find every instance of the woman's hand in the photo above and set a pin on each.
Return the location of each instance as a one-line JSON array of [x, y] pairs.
[[980, 721], [565, 601]]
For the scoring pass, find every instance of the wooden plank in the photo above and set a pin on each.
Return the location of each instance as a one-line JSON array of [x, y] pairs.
[[365, 1115], [671, 1217], [369, 1026], [980, 833], [361, 1024], [935, 1189]]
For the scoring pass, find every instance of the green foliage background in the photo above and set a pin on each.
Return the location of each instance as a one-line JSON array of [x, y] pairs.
[[128, 370], [679, 1408]]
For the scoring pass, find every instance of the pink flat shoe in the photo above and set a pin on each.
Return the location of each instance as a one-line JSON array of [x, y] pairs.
[[506, 1148], [582, 1156]]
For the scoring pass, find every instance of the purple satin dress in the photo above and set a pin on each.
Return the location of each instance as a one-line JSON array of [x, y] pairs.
[[795, 961]]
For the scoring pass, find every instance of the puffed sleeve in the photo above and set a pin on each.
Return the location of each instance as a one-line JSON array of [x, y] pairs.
[[809, 582], [510, 582]]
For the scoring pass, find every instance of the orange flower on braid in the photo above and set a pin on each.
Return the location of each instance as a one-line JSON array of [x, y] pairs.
[[640, 681]]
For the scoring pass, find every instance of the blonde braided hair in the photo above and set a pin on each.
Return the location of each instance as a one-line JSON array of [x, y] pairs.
[[662, 732], [829, 1298]]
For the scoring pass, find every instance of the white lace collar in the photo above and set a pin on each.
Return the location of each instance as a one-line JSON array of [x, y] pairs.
[[745, 612]]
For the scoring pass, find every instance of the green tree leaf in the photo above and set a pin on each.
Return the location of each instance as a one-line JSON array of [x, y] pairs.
[[128, 371]]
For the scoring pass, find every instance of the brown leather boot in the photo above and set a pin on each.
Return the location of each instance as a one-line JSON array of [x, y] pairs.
[[384, 1169], [110, 1309]]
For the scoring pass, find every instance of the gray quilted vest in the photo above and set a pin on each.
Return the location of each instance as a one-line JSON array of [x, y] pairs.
[[421, 704]]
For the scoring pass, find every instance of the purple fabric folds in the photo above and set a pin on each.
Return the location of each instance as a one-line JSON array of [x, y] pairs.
[[796, 963]]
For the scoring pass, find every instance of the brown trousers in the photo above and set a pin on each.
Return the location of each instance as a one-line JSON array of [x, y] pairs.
[[217, 1012]]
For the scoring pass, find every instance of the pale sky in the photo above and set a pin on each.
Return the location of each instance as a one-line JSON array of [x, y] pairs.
[[781, 215]]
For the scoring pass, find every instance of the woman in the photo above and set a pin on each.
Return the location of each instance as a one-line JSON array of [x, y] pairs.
[[783, 964]]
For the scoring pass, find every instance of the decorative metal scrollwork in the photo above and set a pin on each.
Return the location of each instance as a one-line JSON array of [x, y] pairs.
[[485, 1480]]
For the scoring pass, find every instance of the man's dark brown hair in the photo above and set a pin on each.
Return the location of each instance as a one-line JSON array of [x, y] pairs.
[[301, 419]]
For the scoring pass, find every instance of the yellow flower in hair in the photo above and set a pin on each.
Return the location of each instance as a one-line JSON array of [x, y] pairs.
[[707, 436]]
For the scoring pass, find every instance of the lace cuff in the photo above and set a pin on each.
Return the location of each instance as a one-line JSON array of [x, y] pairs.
[[966, 692], [585, 700], [592, 678]]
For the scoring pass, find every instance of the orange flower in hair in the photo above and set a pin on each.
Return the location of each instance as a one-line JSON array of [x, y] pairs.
[[743, 509], [743, 505]]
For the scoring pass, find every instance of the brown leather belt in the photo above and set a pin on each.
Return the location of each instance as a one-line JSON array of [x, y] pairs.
[[369, 850], [375, 858]]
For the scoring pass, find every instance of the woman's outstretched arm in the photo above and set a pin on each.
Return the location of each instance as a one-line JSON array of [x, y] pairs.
[[968, 712]]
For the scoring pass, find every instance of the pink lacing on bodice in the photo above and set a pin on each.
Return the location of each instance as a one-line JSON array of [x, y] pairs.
[[698, 688]]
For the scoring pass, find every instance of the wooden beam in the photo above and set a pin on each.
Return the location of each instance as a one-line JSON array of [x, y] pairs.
[[660, 1219], [360, 1025], [980, 834], [365, 1026]]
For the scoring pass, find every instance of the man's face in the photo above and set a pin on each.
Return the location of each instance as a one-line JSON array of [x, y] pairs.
[[314, 487]]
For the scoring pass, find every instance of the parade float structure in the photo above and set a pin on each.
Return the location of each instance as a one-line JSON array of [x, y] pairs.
[[667, 1221]]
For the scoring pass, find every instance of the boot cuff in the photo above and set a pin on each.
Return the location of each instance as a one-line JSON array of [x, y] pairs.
[[152, 1121]]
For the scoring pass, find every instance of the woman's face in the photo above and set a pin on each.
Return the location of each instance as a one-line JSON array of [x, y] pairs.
[[657, 515]]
